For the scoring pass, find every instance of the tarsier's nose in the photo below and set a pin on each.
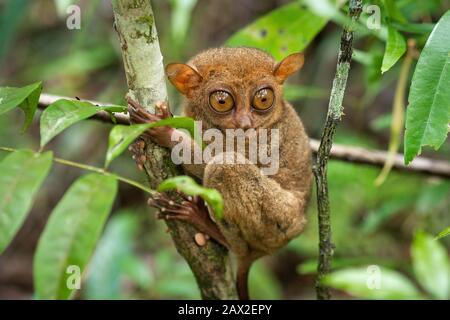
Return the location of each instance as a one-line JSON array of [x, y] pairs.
[[244, 122]]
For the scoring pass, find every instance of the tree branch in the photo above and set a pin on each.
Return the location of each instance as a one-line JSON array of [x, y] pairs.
[[143, 62], [376, 158], [47, 99], [335, 111]]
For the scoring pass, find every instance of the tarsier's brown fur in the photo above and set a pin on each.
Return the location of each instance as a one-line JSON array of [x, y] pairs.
[[261, 213]]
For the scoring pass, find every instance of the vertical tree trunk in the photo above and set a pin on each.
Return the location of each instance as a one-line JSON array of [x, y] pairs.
[[143, 62], [335, 111]]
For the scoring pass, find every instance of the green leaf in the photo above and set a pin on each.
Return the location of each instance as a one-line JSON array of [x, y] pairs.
[[431, 265], [428, 113], [281, 32], [444, 233], [21, 175], [395, 49], [63, 113], [122, 136], [71, 234], [26, 98], [380, 283], [188, 186]]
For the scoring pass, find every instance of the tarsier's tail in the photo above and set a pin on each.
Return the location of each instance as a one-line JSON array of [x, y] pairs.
[[243, 268]]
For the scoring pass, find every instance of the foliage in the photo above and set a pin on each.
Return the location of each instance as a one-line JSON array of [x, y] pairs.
[[116, 261], [431, 266], [444, 233], [63, 113], [395, 48], [71, 234], [26, 98], [118, 271], [428, 113], [86, 63], [22, 173], [76, 223], [355, 281], [283, 31], [371, 214]]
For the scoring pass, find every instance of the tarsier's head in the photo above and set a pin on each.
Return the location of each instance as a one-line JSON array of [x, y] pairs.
[[233, 88]]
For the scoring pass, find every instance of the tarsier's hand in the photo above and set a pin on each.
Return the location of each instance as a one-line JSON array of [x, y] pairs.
[[160, 135]]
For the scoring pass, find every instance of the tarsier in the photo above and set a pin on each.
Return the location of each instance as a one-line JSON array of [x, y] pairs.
[[228, 88]]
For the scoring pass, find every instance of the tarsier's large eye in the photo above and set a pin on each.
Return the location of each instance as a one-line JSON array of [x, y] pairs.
[[221, 101], [263, 99]]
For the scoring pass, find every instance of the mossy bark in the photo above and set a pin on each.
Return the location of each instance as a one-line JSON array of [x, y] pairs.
[[143, 62]]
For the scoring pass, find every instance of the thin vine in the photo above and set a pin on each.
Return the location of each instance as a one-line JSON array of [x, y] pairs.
[[94, 169]]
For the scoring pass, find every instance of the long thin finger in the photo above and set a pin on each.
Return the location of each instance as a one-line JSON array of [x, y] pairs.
[[134, 112], [165, 111], [137, 118], [143, 113], [137, 108], [174, 206], [176, 217]]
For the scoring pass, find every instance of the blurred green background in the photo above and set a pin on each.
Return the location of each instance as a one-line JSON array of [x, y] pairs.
[[135, 258]]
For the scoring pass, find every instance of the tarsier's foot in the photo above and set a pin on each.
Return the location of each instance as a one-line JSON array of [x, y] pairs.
[[192, 210], [138, 114]]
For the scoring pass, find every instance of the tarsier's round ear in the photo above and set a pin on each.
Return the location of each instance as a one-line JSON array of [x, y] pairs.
[[289, 65], [183, 77]]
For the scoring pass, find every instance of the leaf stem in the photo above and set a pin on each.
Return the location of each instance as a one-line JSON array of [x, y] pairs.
[[94, 169], [398, 115]]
